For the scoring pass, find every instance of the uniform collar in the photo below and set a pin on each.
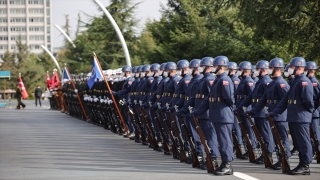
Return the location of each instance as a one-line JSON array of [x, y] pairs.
[[172, 77]]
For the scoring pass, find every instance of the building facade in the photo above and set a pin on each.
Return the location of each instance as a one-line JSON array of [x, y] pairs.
[[30, 19]]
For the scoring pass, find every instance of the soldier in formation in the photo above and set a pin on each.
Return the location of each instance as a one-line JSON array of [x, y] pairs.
[[208, 111]]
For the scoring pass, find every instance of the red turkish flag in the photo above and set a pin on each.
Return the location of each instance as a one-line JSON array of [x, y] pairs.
[[23, 89], [55, 81], [48, 80]]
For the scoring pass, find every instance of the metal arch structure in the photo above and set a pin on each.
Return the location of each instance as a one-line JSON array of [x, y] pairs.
[[117, 29], [53, 58], [65, 35]]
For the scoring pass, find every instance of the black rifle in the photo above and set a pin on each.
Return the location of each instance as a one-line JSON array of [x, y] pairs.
[[152, 139], [236, 145], [148, 121], [130, 112], [316, 144]]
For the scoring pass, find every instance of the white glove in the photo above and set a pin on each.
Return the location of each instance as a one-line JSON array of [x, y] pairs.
[[76, 90]]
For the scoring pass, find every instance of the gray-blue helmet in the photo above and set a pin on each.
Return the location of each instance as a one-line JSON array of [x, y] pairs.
[[170, 66], [134, 69], [146, 68], [298, 62], [162, 66], [246, 65], [311, 65], [126, 68], [263, 64], [221, 61], [139, 69], [194, 63], [276, 63], [232, 66], [207, 61], [183, 64], [155, 67]]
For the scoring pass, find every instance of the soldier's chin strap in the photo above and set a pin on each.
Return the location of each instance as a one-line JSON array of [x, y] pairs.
[[308, 72], [295, 70], [274, 71], [193, 71]]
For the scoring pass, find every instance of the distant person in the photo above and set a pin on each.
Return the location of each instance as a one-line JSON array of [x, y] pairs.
[[18, 96], [37, 95]]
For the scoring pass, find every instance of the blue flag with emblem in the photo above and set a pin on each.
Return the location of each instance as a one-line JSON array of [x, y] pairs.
[[65, 75], [95, 73]]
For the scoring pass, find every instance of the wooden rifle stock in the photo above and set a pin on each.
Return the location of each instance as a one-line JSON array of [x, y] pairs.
[[236, 145], [136, 134], [143, 137], [174, 148], [151, 135], [252, 157], [148, 121], [267, 162], [285, 163], [178, 134], [210, 167], [316, 144], [195, 161], [165, 143]]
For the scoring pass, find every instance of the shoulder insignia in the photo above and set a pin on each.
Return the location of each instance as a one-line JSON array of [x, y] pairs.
[[268, 84], [314, 84], [129, 82], [225, 83], [304, 83], [211, 82], [187, 81], [283, 85], [151, 80], [236, 82], [250, 84]]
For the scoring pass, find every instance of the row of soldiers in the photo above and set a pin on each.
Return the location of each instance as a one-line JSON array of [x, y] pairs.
[[199, 110]]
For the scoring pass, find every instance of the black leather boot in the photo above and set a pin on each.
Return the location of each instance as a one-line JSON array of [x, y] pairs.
[[224, 169], [301, 169], [244, 156]]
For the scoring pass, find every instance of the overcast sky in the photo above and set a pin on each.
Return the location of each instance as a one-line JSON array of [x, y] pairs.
[[147, 8]]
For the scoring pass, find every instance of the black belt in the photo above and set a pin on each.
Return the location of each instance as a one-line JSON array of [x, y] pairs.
[[290, 101], [241, 96], [269, 101], [255, 100]]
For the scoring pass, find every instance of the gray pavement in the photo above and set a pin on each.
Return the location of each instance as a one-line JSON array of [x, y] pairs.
[[38, 143]]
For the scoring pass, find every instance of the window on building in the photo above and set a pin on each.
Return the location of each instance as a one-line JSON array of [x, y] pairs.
[[48, 2], [36, 28], [35, 2], [17, 19], [18, 29], [36, 38], [13, 46], [49, 46], [48, 29], [48, 12], [3, 1], [36, 11], [3, 38], [3, 20], [17, 11], [48, 20], [17, 2], [48, 39], [3, 29], [38, 19], [3, 46], [3, 11]]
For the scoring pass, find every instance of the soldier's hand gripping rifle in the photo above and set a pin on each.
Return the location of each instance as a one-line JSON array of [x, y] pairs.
[[252, 157], [266, 159], [161, 130], [178, 134], [210, 166], [166, 123], [279, 143], [145, 118], [195, 161]]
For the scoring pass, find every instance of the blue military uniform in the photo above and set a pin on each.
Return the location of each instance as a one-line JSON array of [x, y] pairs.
[[276, 90], [202, 91], [220, 103], [315, 114], [235, 80], [260, 118], [245, 87], [299, 103]]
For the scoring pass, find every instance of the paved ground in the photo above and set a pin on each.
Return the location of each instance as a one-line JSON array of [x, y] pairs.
[[38, 143]]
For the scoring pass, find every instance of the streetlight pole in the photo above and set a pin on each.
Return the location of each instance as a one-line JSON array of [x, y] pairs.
[[117, 29]]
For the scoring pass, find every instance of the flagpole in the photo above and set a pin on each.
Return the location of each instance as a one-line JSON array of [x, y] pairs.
[[74, 87], [112, 97]]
